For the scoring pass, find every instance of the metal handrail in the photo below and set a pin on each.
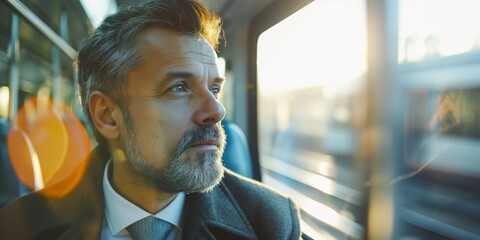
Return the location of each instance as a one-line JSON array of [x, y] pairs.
[[25, 12]]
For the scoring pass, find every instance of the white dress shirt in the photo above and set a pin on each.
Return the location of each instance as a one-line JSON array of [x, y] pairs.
[[120, 213]]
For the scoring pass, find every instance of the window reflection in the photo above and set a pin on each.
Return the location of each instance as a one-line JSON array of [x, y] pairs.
[[437, 28], [442, 126]]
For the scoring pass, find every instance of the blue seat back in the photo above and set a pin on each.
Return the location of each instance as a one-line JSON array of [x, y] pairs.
[[237, 154], [9, 183]]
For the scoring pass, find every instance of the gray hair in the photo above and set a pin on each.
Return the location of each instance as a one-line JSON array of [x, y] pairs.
[[111, 52]]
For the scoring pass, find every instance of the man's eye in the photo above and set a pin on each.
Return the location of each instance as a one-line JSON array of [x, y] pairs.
[[216, 90], [179, 88]]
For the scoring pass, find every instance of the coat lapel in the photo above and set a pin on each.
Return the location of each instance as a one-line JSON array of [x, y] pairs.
[[215, 215]]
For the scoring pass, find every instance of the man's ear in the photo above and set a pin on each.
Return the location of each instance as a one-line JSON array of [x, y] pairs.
[[106, 115]]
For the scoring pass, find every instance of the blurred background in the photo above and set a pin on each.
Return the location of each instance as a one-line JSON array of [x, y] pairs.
[[366, 112]]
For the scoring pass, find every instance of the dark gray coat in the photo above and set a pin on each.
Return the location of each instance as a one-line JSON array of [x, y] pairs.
[[236, 209]]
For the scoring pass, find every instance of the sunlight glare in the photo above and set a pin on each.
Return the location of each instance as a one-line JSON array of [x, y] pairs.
[[97, 10], [431, 28], [323, 43], [4, 101]]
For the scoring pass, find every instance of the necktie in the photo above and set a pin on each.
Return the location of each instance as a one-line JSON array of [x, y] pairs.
[[150, 228]]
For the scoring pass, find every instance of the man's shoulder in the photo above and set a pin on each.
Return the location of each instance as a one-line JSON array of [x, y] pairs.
[[18, 217], [31, 204], [251, 194], [240, 185], [268, 211]]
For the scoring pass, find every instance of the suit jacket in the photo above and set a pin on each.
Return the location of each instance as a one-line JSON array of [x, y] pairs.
[[237, 208]]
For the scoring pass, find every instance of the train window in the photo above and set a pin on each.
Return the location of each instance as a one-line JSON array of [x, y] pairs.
[[228, 91], [438, 120], [4, 29], [4, 95], [35, 68], [436, 185], [98, 10], [435, 28], [5, 17], [43, 68], [311, 82]]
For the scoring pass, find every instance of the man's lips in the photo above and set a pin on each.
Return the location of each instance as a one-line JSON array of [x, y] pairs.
[[211, 144]]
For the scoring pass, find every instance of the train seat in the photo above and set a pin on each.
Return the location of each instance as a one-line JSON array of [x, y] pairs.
[[9, 183], [236, 156]]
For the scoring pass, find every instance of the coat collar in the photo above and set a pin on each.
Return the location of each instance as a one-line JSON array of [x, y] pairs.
[[215, 215], [80, 214]]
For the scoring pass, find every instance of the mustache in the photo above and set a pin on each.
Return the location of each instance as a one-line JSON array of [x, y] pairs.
[[201, 133]]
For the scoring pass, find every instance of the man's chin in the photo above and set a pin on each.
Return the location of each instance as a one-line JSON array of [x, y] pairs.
[[192, 173], [207, 178], [211, 186]]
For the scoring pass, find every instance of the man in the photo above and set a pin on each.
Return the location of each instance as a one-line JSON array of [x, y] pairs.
[[150, 87]]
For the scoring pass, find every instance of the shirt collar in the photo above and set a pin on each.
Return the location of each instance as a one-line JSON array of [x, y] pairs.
[[120, 213]]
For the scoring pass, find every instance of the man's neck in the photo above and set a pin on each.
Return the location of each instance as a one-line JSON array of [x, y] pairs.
[[137, 189]]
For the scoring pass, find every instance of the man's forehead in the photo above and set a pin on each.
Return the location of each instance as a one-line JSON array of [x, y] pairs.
[[167, 41]]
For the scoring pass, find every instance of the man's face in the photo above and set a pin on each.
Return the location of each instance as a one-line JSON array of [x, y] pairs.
[[172, 134]]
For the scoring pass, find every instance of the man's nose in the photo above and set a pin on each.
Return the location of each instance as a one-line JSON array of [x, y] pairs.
[[209, 111]]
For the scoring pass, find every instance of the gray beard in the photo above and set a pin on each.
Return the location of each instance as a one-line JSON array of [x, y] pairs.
[[201, 173]]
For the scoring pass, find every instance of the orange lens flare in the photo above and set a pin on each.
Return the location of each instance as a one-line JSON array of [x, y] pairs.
[[46, 144]]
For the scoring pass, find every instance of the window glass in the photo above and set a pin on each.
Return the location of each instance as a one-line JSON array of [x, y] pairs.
[[227, 97], [436, 28], [98, 10], [35, 69], [43, 139], [311, 74], [5, 15]]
